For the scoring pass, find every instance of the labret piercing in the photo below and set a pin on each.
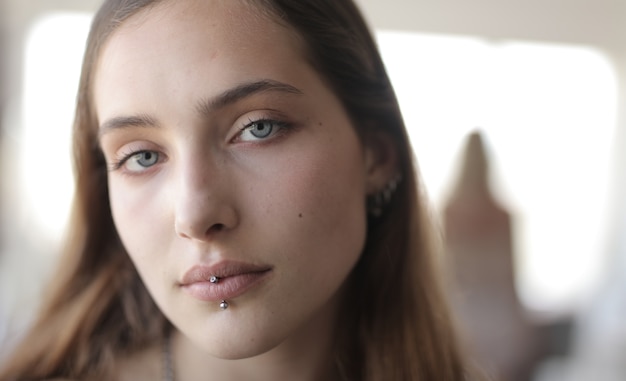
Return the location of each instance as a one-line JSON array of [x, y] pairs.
[[223, 304]]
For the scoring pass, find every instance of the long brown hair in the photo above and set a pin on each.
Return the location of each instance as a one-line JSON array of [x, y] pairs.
[[394, 324]]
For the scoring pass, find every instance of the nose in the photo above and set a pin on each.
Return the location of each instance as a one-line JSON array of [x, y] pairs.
[[204, 203]]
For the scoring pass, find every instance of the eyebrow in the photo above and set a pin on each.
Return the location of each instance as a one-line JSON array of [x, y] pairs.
[[242, 91], [120, 122], [205, 106]]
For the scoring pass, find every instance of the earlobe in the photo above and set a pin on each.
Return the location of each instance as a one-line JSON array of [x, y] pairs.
[[381, 162]]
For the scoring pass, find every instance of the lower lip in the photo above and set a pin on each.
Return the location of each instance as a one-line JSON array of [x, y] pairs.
[[227, 288]]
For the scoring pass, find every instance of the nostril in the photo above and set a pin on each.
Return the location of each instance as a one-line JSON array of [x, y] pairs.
[[204, 223], [216, 228]]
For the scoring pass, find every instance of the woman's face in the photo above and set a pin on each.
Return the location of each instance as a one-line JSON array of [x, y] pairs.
[[229, 156]]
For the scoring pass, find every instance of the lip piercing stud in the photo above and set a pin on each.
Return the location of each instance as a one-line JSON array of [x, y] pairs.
[[224, 305], [214, 279]]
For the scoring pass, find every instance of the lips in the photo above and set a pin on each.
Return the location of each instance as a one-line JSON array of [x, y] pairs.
[[235, 279]]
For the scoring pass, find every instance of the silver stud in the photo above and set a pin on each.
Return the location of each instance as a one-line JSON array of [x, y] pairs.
[[214, 279], [224, 305]]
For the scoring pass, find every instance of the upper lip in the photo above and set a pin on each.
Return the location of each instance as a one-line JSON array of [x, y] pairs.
[[224, 269]]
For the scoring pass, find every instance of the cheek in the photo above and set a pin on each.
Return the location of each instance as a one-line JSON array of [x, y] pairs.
[[138, 218], [140, 223], [323, 202]]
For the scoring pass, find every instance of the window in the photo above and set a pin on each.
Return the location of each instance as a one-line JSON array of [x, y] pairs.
[[548, 113], [53, 57]]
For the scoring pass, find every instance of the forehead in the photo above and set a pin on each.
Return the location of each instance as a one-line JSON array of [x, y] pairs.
[[192, 37], [219, 18]]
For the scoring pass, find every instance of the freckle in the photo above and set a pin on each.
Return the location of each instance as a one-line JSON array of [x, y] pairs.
[[321, 124], [300, 215]]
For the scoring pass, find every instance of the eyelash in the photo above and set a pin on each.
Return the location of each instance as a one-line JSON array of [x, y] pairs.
[[119, 163], [279, 124]]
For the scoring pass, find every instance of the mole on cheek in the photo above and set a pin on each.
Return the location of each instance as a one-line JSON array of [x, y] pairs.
[[300, 215]]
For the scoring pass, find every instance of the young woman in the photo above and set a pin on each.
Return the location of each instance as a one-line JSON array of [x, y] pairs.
[[246, 208]]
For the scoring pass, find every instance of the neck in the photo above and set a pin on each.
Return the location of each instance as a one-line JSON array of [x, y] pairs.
[[307, 355]]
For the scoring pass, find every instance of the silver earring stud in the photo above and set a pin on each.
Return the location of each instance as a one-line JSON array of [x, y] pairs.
[[214, 279], [224, 305], [378, 201]]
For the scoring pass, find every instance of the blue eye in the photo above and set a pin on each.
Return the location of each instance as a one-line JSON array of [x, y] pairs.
[[260, 129], [141, 160]]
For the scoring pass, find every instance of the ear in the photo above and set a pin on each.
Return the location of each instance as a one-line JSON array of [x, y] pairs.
[[381, 161]]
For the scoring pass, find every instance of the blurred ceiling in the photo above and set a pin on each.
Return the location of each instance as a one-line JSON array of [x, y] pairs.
[[595, 22]]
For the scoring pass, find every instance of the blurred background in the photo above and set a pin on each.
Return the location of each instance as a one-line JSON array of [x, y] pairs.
[[517, 113]]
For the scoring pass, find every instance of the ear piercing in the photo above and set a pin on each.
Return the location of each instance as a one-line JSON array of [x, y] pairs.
[[378, 202]]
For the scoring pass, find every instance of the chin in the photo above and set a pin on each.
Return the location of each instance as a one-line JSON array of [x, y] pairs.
[[241, 349]]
